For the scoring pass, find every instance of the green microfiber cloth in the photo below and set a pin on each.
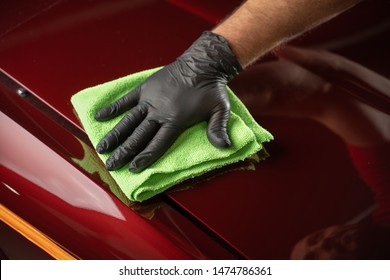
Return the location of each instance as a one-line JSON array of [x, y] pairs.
[[190, 156]]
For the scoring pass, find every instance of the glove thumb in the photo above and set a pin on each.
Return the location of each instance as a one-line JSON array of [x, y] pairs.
[[217, 128]]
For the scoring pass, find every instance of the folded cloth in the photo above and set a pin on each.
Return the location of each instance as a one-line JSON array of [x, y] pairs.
[[191, 155]]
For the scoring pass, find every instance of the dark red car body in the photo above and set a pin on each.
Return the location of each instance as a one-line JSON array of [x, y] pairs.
[[50, 50]]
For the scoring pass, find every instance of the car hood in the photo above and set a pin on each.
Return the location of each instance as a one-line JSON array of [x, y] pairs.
[[49, 50]]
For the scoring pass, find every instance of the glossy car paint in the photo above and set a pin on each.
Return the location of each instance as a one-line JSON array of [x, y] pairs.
[[52, 49]]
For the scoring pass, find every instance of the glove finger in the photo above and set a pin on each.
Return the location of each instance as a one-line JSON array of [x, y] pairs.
[[217, 128], [163, 140], [119, 106], [123, 129], [133, 145]]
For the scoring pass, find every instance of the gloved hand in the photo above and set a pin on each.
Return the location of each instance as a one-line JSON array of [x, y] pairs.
[[189, 90]]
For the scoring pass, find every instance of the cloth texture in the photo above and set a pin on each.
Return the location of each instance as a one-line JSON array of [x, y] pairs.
[[190, 156]]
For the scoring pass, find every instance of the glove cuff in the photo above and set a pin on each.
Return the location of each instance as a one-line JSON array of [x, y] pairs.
[[211, 54]]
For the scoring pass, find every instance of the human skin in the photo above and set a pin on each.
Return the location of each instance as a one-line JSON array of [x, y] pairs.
[[258, 26], [254, 29]]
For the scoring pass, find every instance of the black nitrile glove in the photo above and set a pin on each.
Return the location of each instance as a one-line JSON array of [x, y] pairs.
[[189, 90]]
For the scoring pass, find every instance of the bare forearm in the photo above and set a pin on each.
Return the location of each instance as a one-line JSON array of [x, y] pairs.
[[260, 25]]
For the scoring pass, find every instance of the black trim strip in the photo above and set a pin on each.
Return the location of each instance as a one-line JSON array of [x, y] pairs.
[[42, 106], [79, 133], [206, 229]]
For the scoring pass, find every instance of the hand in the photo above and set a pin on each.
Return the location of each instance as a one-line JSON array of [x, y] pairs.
[[189, 90]]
